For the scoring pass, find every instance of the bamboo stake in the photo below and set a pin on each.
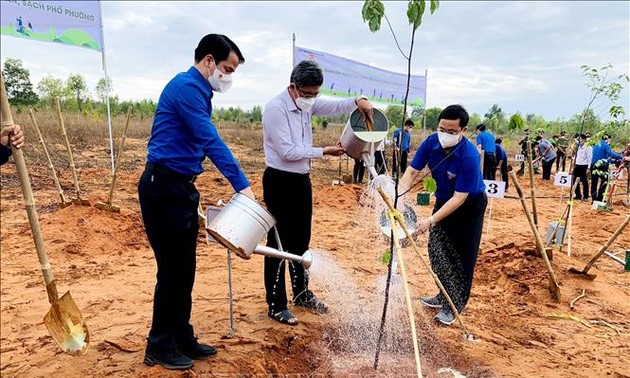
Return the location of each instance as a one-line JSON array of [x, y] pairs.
[[531, 180], [403, 272], [64, 201], [78, 201], [553, 282], [401, 222], [121, 145]]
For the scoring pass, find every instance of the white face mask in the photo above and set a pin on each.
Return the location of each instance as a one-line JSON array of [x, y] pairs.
[[305, 104], [448, 140], [219, 81]]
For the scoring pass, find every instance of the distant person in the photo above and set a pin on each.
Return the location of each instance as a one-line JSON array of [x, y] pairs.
[[379, 157], [485, 141], [583, 157], [502, 165], [547, 155], [602, 155], [402, 146], [10, 135], [562, 144], [524, 152], [182, 136], [288, 145], [460, 203]]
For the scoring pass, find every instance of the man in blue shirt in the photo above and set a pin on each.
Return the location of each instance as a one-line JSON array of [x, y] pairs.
[[502, 165], [602, 153], [485, 141], [182, 136], [460, 202], [402, 146]]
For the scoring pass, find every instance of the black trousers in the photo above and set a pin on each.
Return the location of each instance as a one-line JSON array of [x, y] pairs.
[[579, 173], [358, 171], [598, 183], [379, 162], [289, 198], [561, 160], [168, 202], [504, 174], [403, 162], [489, 166], [546, 174], [454, 245]]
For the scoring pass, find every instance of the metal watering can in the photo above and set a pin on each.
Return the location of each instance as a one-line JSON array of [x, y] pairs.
[[241, 224], [360, 139]]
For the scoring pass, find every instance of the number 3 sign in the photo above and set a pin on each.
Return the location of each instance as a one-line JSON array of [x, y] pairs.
[[495, 189], [562, 179]]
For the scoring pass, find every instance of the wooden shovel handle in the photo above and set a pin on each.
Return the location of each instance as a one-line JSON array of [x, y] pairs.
[[25, 182]]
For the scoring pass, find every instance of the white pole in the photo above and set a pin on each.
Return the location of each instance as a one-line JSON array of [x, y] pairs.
[[109, 117]]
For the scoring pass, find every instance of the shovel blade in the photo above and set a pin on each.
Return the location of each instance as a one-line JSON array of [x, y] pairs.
[[582, 273], [67, 327]]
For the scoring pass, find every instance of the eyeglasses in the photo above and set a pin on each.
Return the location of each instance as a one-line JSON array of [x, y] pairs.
[[451, 132], [307, 94]]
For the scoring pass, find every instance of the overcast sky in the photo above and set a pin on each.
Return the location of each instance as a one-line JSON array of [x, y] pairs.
[[524, 56]]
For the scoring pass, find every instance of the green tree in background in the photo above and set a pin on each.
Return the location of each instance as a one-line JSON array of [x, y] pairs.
[[17, 80], [103, 87], [394, 115], [76, 85], [50, 88], [516, 123], [432, 118]]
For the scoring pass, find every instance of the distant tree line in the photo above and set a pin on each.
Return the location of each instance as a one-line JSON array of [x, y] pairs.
[[76, 96]]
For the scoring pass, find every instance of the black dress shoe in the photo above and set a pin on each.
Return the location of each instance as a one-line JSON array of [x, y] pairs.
[[171, 359], [198, 351]]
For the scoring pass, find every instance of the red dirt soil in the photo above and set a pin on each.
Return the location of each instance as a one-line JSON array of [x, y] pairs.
[[104, 260]]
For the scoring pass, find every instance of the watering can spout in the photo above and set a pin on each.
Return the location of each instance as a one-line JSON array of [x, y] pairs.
[[306, 259]]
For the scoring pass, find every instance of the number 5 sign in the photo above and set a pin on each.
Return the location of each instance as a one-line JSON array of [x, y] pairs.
[[495, 189], [562, 179]]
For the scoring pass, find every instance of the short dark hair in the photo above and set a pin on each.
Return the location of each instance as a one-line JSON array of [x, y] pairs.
[[307, 73], [481, 127], [538, 137], [562, 132], [219, 46], [498, 141], [409, 122], [453, 112], [605, 137], [582, 136]]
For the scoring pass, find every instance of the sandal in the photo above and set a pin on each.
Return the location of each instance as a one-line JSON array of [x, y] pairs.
[[313, 303], [284, 317]]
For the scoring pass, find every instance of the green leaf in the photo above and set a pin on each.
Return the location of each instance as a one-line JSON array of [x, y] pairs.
[[435, 4], [386, 258], [429, 184], [372, 13]]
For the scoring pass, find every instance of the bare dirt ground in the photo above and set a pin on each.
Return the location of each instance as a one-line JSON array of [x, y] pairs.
[[104, 259]]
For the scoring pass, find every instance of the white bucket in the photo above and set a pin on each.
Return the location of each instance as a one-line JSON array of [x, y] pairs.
[[356, 138], [241, 225]]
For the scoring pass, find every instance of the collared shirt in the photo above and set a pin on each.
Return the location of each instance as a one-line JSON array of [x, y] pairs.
[[584, 155], [5, 152], [459, 170], [287, 133], [545, 149], [486, 140], [602, 150], [404, 142], [183, 133]]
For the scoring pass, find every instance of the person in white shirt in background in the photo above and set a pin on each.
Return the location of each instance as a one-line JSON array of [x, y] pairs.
[[580, 171], [288, 145]]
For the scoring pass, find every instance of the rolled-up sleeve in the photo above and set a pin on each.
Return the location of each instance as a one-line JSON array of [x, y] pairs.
[[333, 107]]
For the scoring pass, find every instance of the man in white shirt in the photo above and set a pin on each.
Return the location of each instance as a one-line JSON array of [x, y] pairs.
[[580, 171], [288, 144]]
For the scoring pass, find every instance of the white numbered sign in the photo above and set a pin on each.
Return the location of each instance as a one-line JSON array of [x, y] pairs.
[[495, 189], [562, 179], [519, 157]]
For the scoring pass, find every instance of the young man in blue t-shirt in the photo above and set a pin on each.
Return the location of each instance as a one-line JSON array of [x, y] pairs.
[[460, 202], [402, 145]]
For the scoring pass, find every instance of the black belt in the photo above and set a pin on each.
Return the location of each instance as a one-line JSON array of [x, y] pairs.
[[161, 170]]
